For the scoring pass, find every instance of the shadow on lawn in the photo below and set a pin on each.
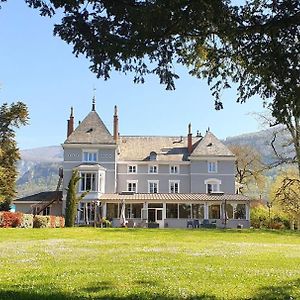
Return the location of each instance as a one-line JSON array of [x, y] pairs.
[[289, 290], [24, 295]]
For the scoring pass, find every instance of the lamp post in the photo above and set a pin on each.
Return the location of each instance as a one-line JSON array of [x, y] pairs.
[[269, 205]]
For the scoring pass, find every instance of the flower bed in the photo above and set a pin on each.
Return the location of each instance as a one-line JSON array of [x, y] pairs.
[[20, 220]]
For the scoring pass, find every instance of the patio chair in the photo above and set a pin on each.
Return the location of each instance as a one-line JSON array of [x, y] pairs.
[[131, 224], [189, 224], [196, 223]]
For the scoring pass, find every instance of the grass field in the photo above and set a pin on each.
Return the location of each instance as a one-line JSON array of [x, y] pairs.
[[88, 263]]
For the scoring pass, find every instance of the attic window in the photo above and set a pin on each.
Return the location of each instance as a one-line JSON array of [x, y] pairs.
[[153, 155], [209, 145], [90, 130]]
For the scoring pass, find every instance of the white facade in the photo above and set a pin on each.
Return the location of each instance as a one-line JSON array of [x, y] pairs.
[[157, 181]]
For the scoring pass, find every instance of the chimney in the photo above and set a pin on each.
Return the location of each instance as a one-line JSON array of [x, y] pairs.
[[116, 125], [70, 123], [190, 141]]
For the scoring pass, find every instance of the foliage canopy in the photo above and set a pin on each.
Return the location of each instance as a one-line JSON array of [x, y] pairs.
[[285, 193], [11, 116], [255, 45]]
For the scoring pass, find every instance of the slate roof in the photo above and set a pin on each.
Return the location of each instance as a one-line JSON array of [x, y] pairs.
[[174, 197], [42, 196], [91, 131], [210, 145], [172, 148], [167, 148]]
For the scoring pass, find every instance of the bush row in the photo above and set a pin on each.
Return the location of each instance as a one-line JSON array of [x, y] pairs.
[[20, 220], [260, 218]]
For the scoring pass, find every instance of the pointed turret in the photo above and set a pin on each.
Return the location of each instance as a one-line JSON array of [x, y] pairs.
[[91, 130]]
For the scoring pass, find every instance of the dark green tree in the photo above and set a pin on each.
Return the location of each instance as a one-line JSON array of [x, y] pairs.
[[255, 45], [260, 52], [72, 199], [11, 117]]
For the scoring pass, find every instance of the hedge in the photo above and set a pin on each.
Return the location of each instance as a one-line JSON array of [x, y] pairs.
[[10, 219], [260, 218], [20, 220]]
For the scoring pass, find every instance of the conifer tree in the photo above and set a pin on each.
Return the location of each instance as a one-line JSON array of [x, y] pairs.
[[72, 199], [11, 117]]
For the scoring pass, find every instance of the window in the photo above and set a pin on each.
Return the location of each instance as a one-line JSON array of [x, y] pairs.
[[132, 169], [152, 169], [174, 186], [212, 185], [198, 211], [240, 211], [90, 156], [90, 210], [152, 155], [174, 169], [81, 211], [112, 210], [155, 205], [132, 186], [172, 211], [212, 166], [88, 182], [153, 186], [214, 211], [86, 212], [133, 210], [184, 211], [228, 211], [46, 211]]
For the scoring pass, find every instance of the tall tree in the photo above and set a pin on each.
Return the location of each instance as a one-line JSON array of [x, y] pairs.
[[11, 117], [255, 45], [260, 53], [285, 193], [249, 167], [72, 199]]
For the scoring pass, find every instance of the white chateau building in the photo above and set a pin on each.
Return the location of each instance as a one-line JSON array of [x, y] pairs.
[[162, 181]]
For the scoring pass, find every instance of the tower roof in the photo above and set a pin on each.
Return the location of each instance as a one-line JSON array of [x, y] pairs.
[[210, 145], [91, 131]]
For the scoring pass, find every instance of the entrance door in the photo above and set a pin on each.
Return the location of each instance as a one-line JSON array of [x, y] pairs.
[[156, 215]]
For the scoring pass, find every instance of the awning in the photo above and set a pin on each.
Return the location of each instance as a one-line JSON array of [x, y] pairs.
[[173, 197]]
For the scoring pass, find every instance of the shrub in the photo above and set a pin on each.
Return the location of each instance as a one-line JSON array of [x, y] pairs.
[[260, 218], [27, 221], [52, 221], [10, 219], [18, 219], [61, 221], [105, 223], [41, 222], [57, 222]]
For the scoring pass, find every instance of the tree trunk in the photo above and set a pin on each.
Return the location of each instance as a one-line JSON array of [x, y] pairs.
[[293, 127], [292, 224]]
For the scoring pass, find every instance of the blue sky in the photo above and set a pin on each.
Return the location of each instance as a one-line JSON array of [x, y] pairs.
[[41, 70]]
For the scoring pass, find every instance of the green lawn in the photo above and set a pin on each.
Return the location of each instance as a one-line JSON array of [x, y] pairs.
[[88, 263]]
